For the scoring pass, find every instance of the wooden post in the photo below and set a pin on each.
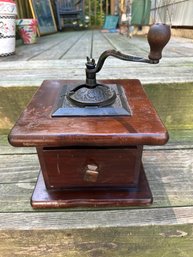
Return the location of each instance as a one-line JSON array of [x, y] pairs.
[[95, 12], [107, 7], [20, 9], [28, 10], [23, 9], [101, 12], [89, 11], [112, 7]]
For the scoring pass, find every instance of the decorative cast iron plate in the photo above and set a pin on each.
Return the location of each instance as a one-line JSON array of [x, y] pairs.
[[65, 107]]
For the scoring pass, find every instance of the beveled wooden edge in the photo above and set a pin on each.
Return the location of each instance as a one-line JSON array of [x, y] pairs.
[[18, 137], [83, 140]]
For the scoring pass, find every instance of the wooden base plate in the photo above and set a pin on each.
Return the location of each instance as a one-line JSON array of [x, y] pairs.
[[43, 198]]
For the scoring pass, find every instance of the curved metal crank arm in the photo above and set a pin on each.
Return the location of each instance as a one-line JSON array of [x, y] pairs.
[[158, 36], [118, 55]]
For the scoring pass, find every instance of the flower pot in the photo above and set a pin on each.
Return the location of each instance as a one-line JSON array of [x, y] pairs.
[[27, 29], [7, 27]]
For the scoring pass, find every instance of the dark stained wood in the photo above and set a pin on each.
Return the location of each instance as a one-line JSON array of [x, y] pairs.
[[91, 197], [37, 128], [66, 168], [68, 146]]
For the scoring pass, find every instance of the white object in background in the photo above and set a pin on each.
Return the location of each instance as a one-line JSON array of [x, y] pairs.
[[8, 13]]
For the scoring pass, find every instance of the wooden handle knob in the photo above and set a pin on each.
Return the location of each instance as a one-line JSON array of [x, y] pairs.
[[158, 36], [91, 173]]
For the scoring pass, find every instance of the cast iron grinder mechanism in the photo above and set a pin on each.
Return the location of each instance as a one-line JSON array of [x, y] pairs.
[[98, 99]]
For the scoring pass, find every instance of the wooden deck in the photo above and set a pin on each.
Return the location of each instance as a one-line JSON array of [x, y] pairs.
[[163, 229], [63, 55]]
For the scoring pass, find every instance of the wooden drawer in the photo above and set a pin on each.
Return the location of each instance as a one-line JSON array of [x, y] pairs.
[[85, 167]]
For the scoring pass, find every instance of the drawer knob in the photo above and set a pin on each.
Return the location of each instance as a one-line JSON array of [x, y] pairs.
[[91, 173]]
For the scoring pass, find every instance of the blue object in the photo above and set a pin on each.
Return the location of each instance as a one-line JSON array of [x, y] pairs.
[[111, 22]]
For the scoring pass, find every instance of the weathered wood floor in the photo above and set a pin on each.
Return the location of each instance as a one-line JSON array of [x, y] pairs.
[[162, 230], [63, 55]]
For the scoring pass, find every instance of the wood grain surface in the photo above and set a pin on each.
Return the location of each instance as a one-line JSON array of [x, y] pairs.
[[137, 241]]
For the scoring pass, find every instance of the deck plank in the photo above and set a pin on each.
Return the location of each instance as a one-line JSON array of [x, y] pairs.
[[26, 52], [94, 219], [146, 76], [135, 46], [21, 168], [60, 49], [82, 48], [34, 73], [150, 241]]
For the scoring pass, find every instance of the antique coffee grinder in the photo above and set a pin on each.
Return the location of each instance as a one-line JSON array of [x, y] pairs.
[[89, 136]]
